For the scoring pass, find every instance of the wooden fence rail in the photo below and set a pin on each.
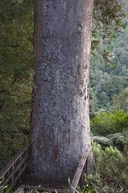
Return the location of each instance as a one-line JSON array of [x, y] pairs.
[[78, 178], [15, 168], [12, 172]]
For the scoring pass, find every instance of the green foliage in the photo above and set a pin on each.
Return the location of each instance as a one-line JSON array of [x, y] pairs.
[[111, 164], [69, 185], [104, 141], [118, 140], [16, 58], [4, 189], [108, 17], [120, 102], [95, 184], [108, 123], [111, 171], [90, 185], [109, 63]]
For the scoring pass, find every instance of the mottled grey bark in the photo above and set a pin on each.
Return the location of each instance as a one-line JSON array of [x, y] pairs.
[[60, 130]]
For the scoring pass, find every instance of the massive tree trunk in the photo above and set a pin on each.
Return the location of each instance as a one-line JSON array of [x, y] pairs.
[[60, 131]]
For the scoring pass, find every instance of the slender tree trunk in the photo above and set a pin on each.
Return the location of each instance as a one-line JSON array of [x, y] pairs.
[[60, 131]]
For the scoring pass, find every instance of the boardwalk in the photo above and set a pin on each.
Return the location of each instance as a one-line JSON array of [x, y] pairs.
[[13, 174]]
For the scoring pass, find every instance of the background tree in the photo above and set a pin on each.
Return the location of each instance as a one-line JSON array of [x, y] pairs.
[[120, 102], [108, 69], [16, 58]]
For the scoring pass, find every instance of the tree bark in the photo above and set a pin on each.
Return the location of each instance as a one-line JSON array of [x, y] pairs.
[[60, 131]]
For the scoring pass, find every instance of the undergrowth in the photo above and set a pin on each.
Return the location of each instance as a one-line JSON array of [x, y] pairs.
[[111, 171]]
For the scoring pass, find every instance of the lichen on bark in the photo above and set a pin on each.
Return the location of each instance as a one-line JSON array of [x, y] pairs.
[[60, 131]]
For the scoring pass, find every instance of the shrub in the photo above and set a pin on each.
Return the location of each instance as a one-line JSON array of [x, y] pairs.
[[118, 140], [108, 123], [111, 170]]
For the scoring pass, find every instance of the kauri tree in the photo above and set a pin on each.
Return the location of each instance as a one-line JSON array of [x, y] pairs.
[[60, 131]]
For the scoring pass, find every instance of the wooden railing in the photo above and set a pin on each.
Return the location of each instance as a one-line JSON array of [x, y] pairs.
[[20, 190], [12, 172], [24, 188], [78, 178], [15, 168]]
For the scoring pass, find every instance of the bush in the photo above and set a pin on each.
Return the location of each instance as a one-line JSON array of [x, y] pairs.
[[108, 123], [111, 170], [118, 140]]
